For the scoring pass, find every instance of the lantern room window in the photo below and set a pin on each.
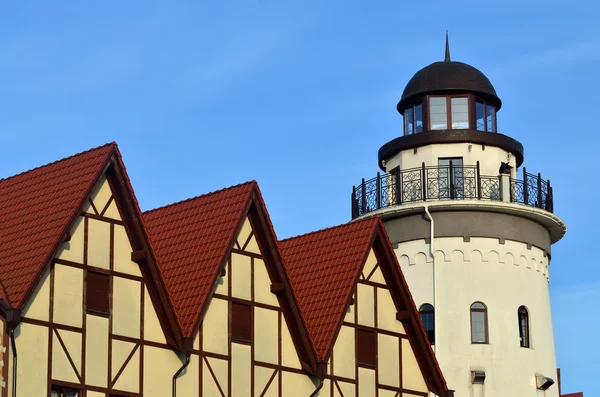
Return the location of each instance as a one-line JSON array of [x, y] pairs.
[[485, 116], [413, 120]]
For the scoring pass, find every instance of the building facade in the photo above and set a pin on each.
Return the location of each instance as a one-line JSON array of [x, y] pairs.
[[197, 298], [473, 231]]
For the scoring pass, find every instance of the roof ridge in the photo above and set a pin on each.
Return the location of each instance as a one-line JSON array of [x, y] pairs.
[[370, 219], [113, 143], [199, 196]]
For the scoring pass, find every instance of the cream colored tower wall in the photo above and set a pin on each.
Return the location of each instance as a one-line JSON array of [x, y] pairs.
[[503, 277], [489, 157]]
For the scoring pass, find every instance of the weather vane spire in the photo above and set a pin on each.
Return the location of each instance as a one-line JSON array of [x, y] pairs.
[[447, 59]]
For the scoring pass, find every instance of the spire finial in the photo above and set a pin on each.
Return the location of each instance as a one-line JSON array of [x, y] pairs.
[[447, 59]]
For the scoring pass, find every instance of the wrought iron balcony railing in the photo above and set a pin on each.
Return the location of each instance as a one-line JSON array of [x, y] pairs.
[[448, 183]]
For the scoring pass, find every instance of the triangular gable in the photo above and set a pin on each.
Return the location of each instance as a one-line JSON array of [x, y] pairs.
[[324, 268], [192, 241], [62, 191], [36, 210]]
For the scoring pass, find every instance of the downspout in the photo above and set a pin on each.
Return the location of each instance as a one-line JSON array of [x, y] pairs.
[[14, 349], [179, 371], [431, 253], [316, 392]]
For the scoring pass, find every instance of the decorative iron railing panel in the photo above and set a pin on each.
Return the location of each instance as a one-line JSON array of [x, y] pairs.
[[448, 183]]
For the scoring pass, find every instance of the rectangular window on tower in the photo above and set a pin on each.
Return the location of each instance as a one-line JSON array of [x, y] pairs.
[[367, 348], [437, 113], [97, 296], [241, 322]]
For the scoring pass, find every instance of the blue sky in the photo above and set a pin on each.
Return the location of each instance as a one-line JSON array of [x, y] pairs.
[[300, 96]]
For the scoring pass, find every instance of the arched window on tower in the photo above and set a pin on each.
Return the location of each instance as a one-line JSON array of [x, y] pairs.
[[524, 326], [428, 319], [479, 323]]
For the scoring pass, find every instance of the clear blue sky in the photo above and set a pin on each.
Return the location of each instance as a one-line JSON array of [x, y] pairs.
[[300, 96]]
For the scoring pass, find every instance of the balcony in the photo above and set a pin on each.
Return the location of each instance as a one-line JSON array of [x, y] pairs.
[[437, 183]]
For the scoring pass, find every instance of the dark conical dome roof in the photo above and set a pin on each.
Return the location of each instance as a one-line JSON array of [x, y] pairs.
[[448, 77]]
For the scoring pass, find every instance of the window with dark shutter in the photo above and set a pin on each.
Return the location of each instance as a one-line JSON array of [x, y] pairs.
[[367, 354], [97, 293], [241, 324]]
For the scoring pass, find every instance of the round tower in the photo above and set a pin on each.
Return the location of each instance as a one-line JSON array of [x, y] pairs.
[[473, 231]]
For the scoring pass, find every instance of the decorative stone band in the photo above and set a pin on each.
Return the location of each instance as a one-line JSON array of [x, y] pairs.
[[510, 253], [451, 136]]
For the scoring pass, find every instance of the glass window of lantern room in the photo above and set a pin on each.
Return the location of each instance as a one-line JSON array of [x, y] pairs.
[[419, 118], [480, 115], [438, 115], [460, 113], [490, 118], [408, 121]]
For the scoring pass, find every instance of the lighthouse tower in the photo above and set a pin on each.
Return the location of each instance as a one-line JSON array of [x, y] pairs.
[[473, 230]]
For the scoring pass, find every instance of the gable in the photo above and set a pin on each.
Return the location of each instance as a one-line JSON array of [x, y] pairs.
[[88, 346], [36, 208], [347, 279], [373, 311], [265, 354], [190, 240]]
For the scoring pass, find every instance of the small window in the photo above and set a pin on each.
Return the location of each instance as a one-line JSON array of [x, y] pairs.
[[460, 113], [428, 319], [97, 299], [59, 391], [367, 352], [413, 120], [241, 322], [479, 323], [524, 326], [408, 121], [490, 113], [437, 113], [485, 116], [419, 118]]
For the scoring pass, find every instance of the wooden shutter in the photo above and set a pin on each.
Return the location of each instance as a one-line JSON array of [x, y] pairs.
[[367, 354], [241, 322], [97, 293]]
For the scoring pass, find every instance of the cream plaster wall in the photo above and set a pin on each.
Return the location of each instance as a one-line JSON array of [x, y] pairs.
[[215, 326], [32, 364], [504, 277], [39, 304], [72, 250], [96, 347], [126, 307], [266, 333], [68, 295], [99, 251], [489, 157], [241, 363], [152, 328]]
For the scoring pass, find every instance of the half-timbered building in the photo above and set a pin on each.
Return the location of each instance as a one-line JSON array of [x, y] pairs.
[[197, 298]]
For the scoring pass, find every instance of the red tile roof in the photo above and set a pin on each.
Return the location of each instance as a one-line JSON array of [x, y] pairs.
[[572, 395], [36, 207], [190, 240], [323, 267]]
